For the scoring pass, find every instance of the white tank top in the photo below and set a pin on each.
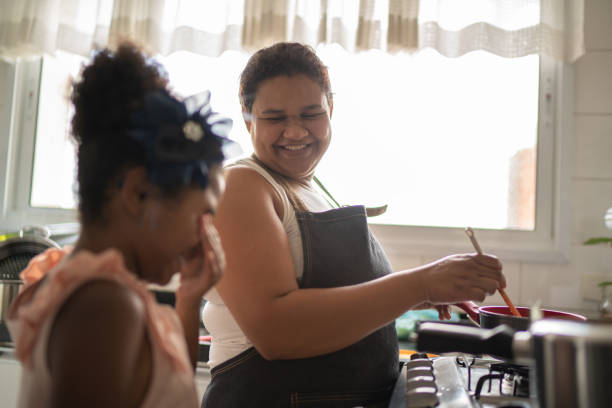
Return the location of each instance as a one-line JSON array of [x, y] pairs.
[[228, 339]]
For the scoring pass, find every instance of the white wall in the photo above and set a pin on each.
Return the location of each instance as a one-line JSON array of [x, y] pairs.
[[572, 286]]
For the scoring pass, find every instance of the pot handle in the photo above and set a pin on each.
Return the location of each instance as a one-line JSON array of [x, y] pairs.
[[443, 338], [472, 310]]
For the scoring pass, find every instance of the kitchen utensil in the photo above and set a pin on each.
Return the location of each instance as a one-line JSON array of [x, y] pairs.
[[571, 361], [502, 292], [513, 309], [491, 316], [15, 254]]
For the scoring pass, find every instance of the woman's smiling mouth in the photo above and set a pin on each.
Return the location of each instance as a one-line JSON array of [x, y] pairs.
[[294, 147]]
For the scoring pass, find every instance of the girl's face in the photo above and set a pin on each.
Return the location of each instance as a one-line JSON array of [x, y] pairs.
[[170, 229], [290, 125]]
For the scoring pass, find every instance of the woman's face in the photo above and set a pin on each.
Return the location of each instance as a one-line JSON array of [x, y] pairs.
[[171, 229], [290, 125]]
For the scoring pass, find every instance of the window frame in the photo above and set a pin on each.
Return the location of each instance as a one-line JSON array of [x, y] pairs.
[[549, 242]]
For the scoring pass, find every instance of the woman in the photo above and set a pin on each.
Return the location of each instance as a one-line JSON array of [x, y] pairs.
[[304, 315], [86, 329]]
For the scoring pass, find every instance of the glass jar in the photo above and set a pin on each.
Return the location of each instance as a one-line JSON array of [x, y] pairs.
[[605, 305]]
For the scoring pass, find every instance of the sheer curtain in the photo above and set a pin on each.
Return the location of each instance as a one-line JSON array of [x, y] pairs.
[[205, 27], [355, 25], [510, 28], [43, 26]]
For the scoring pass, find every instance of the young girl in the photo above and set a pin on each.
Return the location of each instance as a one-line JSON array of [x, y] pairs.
[[86, 329]]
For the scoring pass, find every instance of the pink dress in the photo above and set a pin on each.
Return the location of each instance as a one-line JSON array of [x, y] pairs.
[[33, 312]]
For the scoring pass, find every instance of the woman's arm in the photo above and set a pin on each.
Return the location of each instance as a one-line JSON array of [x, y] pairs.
[[283, 321], [98, 351]]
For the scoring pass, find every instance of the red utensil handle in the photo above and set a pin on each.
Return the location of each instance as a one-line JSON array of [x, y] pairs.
[[513, 309]]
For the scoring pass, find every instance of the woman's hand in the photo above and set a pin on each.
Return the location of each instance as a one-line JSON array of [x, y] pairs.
[[204, 266], [458, 278], [444, 312]]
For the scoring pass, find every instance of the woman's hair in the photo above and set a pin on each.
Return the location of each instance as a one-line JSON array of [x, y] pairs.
[[285, 58], [125, 117]]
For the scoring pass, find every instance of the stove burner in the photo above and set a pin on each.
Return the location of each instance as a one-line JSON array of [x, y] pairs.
[[515, 380], [446, 381], [483, 379], [462, 361]]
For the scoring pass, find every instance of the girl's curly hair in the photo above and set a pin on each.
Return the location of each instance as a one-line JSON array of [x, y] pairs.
[[109, 89]]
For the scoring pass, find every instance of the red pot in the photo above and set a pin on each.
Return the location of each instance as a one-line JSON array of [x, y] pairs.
[[491, 316]]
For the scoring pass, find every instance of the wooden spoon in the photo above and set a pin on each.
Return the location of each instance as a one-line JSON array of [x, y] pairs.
[[502, 292]]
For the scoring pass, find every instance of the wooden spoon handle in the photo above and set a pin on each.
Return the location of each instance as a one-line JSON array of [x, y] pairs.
[[470, 234], [513, 309]]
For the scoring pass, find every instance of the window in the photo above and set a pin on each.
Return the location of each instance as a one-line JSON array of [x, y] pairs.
[[444, 142], [54, 167]]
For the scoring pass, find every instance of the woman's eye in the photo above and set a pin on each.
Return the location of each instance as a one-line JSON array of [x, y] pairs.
[[274, 119], [311, 115]]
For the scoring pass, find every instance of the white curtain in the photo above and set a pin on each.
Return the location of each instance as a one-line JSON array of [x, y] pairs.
[[37, 26], [354, 24], [510, 28], [206, 27]]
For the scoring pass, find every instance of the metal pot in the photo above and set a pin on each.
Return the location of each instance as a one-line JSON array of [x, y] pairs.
[[491, 316], [570, 361], [15, 254]]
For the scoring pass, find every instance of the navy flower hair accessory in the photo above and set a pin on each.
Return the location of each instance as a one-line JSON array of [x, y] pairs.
[[181, 139]]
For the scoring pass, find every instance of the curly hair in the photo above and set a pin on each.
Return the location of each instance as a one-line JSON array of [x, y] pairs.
[[285, 58], [112, 90]]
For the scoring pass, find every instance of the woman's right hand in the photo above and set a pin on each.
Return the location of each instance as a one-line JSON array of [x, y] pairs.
[[461, 277]]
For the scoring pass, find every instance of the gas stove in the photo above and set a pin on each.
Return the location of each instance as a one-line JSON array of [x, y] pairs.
[[460, 381]]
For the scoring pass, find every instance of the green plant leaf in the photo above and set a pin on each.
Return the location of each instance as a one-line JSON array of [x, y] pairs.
[[598, 240], [606, 283]]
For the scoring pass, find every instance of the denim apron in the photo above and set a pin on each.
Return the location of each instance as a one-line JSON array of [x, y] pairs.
[[339, 250]]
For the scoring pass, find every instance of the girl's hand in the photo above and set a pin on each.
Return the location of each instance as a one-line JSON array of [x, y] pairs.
[[205, 265]]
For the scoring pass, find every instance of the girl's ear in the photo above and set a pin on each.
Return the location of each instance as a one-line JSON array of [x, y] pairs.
[[134, 190]]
